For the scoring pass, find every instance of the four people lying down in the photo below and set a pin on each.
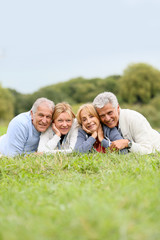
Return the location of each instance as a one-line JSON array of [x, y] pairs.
[[47, 128]]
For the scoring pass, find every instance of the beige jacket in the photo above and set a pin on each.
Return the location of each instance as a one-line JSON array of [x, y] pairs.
[[135, 127]]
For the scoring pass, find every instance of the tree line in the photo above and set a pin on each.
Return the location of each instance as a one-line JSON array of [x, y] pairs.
[[138, 88]]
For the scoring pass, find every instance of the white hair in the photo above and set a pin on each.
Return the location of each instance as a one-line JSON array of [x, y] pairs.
[[104, 98], [39, 101]]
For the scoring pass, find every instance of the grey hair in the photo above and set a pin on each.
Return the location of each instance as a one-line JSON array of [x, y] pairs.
[[39, 101], [104, 98]]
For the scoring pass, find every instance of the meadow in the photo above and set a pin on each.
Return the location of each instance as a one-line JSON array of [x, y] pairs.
[[80, 196]]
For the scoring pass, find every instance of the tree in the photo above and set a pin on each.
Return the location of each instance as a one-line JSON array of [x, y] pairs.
[[139, 83], [6, 104]]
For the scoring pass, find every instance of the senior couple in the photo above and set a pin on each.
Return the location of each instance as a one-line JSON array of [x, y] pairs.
[[48, 129]]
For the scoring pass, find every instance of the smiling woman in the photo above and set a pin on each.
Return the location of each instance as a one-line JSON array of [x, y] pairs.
[[62, 135], [92, 135]]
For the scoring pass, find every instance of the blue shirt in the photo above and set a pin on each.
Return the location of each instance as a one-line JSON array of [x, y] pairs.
[[21, 136]]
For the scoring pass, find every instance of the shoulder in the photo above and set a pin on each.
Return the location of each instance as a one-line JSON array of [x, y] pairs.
[[21, 121], [22, 118], [82, 132], [48, 132], [106, 129], [112, 133], [128, 113], [130, 117]]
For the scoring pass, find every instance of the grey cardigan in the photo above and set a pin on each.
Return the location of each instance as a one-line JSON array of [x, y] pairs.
[[85, 142]]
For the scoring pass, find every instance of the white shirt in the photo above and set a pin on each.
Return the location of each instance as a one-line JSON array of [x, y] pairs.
[[49, 140], [135, 127]]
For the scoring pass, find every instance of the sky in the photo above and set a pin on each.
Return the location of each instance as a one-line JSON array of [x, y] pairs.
[[43, 42]]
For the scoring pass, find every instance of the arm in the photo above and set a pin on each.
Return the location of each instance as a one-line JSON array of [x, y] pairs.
[[142, 135], [17, 135], [102, 136], [135, 127], [116, 140], [83, 143], [119, 144]]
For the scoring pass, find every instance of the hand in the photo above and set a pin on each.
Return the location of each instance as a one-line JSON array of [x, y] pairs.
[[93, 134], [38, 153], [100, 133], [57, 132], [119, 144]]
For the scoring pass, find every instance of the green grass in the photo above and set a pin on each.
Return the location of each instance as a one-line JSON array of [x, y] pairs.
[[80, 197]]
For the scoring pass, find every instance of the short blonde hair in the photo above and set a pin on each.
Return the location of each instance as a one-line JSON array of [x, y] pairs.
[[61, 108], [88, 107]]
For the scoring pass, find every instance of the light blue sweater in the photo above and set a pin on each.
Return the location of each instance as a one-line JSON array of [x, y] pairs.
[[21, 136]]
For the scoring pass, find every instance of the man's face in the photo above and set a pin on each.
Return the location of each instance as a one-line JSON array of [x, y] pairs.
[[42, 118], [109, 115]]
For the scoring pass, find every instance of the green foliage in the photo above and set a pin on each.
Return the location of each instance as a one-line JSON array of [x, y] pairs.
[[151, 113], [156, 103], [75, 107], [85, 90], [139, 83], [112, 84], [54, 93], [22, 102], [91, 196], [74, 91], [6, 104], [78, 90], [138, 87]]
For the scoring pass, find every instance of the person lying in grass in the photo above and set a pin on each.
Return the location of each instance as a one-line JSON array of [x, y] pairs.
[[138, 135], [24, 130], [62, 135], [93, 135]]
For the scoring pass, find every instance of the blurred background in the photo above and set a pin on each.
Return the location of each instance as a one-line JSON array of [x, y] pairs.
[[73, 50]]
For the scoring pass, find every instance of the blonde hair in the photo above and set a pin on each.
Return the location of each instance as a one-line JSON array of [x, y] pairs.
[[88, 107], [61, 108]]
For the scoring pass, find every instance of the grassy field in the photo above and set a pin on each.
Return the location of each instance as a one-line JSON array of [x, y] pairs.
[[80, 197]]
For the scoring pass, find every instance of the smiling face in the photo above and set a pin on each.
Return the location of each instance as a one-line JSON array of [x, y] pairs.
[[42, 118], [109, 115], [63, 122], [89, 121]]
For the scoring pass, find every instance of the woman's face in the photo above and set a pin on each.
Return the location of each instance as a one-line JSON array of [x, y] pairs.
[[89, 121], [63, 123]]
